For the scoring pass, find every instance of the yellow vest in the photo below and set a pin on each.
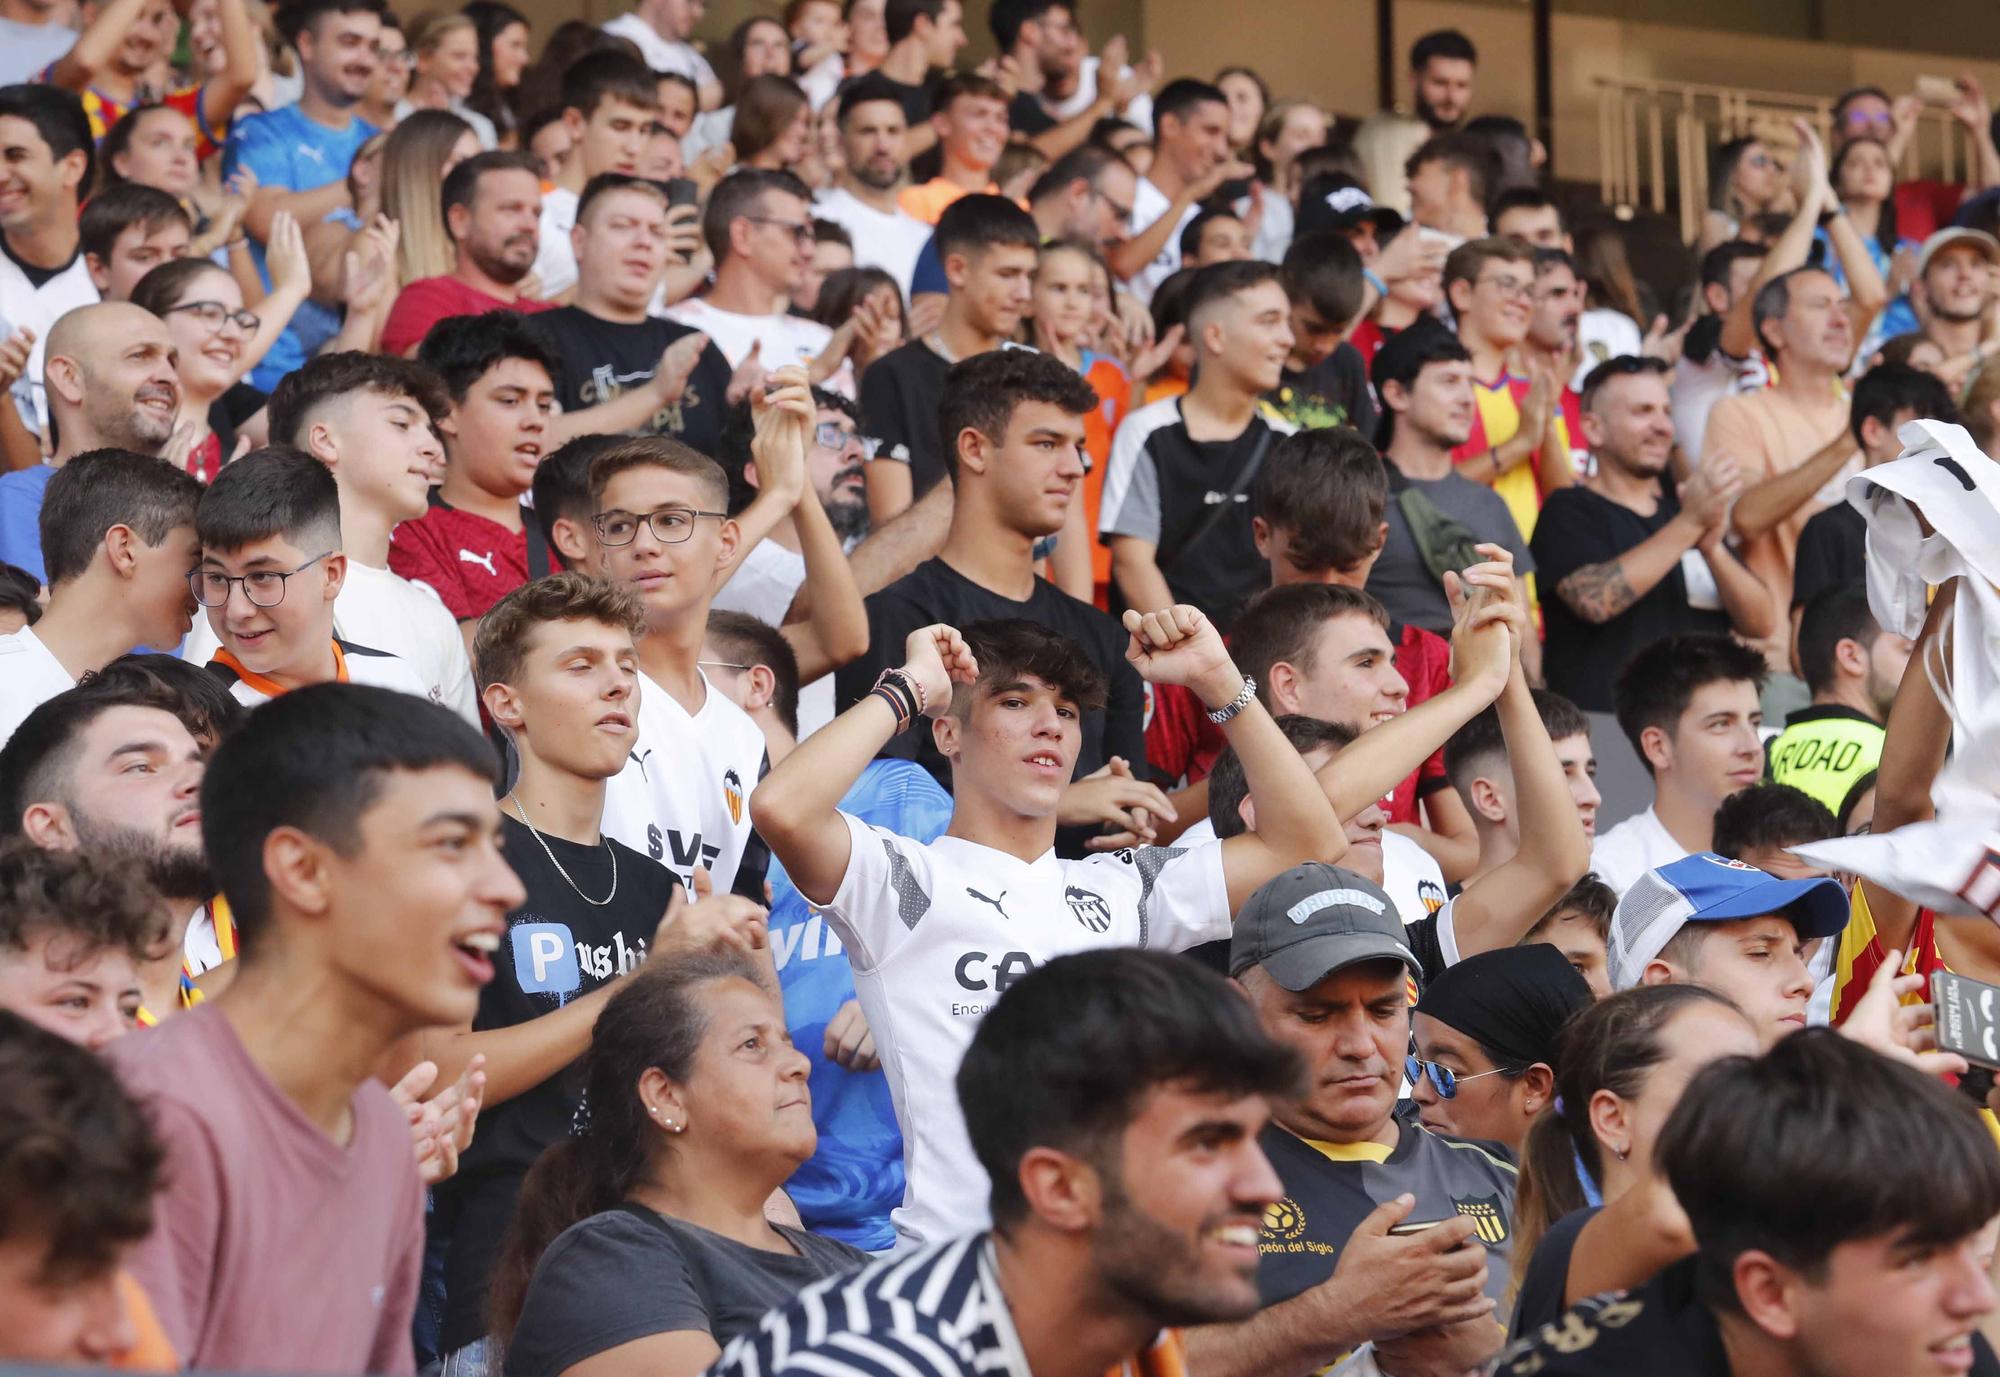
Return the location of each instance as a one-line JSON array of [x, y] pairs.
[[1823, 751]]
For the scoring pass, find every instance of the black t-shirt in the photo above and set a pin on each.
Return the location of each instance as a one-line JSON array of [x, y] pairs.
[[1547, 1277], [1333, 392], [1833, 549], [936, 592], [558, 948], [915, 100], [1661, 1329], [602, 359], [1581, 659], [1028, 115], [901, 394]]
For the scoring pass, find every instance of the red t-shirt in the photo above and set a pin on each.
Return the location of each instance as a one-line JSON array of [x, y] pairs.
[[1182, 742], [429, 300], [467, 560], [1368, 337]]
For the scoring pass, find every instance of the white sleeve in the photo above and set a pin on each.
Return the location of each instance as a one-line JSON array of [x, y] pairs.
[[1447, 932], [884, 894], [555, 256], [1131, 500], [1183, 899]]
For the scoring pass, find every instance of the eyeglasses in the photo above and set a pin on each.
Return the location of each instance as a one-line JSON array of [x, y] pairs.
[[1124, 213], [801, 232], [832, 435], [400, 57], [1509, 286], [669, 525], [1861, 119], [215, 315], [264, 588], [721, 664], [1443, 1079]]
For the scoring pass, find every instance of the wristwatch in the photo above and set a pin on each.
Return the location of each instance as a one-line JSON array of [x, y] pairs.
[[1235, 705]]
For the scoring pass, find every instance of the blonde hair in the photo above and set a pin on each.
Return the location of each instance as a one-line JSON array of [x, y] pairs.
[[432, 29], [412, 182]]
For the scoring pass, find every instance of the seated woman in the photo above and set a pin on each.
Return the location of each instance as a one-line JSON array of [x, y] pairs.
[[641, 1245]]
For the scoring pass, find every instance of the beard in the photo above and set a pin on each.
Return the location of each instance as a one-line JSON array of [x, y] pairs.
[[848, 515], [1155, 1268], [879, 176], [501, 268], [177, 872]]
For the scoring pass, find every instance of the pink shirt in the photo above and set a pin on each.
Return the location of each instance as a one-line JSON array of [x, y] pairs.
[[273, 1249], [429, 300]]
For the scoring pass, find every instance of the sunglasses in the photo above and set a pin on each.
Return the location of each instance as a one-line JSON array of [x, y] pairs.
[[1443, 1079]]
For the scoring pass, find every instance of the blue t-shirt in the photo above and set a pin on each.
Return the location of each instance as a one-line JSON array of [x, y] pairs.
[[849, 1185], [928, 275], [21, 518], [287, 149]]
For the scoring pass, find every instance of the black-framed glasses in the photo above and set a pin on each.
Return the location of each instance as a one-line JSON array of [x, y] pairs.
[[801, 231], [264, 587], [1124, 213], [670, 525], [835, 436], [722, 664], [215, 315], [1443, 1079]]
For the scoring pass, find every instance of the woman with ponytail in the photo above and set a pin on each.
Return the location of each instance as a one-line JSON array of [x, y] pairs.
[[1590, 1213], [640, 1244]]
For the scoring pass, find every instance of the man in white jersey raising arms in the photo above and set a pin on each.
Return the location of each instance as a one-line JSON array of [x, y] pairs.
[[937, 933]]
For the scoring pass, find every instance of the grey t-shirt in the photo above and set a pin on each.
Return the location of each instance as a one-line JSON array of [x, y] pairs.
[[25, 49], [620, 1276], [1403, 581]]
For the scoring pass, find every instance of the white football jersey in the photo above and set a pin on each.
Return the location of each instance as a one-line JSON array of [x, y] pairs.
[[937, 933]]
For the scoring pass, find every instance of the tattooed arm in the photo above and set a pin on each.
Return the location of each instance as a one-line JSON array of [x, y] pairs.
[[1599, 592]]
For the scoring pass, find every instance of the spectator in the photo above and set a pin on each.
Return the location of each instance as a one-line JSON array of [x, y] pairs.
[[1356, 1283], [1688, 704], [988, 247], [420, 153], [504, 40], [1628, 561], [492, 204], [1097, 1065], [1482, 771], [619, 368], [1495, 1014], [35, 37], [1865, 182], [126, 231], [1853, 669], [1579, 924], [1191, 128], [864, 200], [42, 275], [118, 536], [1424, 378], [372, 785], [391, 82], [1833, 543], [1214, 236], [1760, 826], [472, 546], [1325, 381], [1954, 292], [1015, 420], [72, 937], [110, 385], [609, 103], [1720, 356], [924, 35], [1520, 440], [20, 599], [300, 154], [562, 502], [772, 128], [1553, 342], [1745, 179], [667, 1181], [1008, 778], [1450, 178], [270, 603], [370, 419], [1085, 195], [969, 116], [1412, 294], [1442, 67], [76, 1143], [1633, 1054], [1529, 214], [1248, 99], [661, 30], [1177, 491], [446, 46]]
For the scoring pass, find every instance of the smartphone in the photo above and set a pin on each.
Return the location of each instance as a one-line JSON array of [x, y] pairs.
[[1937, 90], [682, 191], [1968, 1023], [1414, 1226]]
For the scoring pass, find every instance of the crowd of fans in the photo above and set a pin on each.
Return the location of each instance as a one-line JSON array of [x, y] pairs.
[[635, 673]]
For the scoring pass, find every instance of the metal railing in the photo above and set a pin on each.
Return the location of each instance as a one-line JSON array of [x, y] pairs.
[[1654, 138]]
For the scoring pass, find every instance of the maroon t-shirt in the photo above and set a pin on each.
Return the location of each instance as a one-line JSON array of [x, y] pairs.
[[274, 1248], [429, 300], [468, 560]]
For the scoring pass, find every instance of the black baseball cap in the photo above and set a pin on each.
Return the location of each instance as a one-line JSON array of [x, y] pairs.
[[1336, 201], [1316, 919]]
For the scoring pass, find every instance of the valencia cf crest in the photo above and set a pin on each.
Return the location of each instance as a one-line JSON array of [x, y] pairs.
[[1431, 895], [1488, 1214], [732, 794], [1090, 909]]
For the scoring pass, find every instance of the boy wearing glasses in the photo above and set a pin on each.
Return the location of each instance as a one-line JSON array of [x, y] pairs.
[[271, 567]]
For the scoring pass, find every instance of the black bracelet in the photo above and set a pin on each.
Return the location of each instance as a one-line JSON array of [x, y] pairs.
[[896, 706]]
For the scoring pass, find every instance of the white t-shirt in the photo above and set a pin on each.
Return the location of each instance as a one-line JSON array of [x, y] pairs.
[[890, 242], [29, 676], [1697, 387], [1411, 877], [555, 256], [1603, 334], [26, 306], [786, 339], [389, 613], [365, 665], [1139, 112], [711, 129], [937, 933], [764, 584], [683, 797], [1635, 846], [1149, 203], [662, 54]]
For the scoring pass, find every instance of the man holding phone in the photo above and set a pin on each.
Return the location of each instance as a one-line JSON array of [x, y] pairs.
[[1388, 1235]]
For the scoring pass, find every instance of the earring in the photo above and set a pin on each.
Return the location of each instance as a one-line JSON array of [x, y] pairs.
[[1619, 1153]]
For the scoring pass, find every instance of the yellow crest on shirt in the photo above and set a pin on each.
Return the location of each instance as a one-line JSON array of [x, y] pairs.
[[1488, 1215], [732, 794], [1283, 1219]]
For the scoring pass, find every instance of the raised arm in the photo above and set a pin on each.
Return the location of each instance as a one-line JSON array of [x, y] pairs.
[[1295, 822], [796, 807], [1913, 752], [1752, 607], [1128, 258], [1601, 592], [96, 45], [838, 631], [223, 92], [1789, 250]]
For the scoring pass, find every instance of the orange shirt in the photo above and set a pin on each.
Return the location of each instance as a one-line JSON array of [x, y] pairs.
[[928, 201], [150, 1351], [1113, 386]]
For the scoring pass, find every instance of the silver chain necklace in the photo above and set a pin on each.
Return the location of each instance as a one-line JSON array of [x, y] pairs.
[[603, 840]]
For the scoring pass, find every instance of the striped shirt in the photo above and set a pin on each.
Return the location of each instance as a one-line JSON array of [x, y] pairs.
[[938, 1312]]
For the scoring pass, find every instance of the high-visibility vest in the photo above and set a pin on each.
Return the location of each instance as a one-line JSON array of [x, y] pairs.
[[1823, 751]]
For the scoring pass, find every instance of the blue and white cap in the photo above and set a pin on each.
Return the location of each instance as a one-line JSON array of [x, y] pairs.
[[1707, 888]]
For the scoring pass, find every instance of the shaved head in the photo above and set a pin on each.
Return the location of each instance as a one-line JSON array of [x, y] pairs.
[[109, 368]]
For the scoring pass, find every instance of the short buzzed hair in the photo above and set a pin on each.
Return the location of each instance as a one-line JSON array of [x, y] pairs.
[[274, 491], [500, 644], [102, 488], [753, 641], [741, 195], [658, 452], [1774, 300], [1480, 745], [606, 183], [334, 377], [1218, 282]]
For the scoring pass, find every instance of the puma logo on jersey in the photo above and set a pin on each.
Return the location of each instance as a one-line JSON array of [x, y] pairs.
[[484, 561], [996, 903]]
